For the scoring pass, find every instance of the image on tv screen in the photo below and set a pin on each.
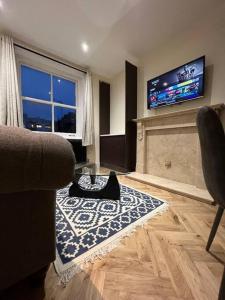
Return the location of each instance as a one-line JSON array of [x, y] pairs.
[[181, 84]]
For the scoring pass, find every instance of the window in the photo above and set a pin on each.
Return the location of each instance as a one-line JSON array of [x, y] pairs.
[[49, 102]]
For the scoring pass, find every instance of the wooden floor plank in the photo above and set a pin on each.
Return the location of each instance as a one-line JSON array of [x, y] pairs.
[[136, 284]]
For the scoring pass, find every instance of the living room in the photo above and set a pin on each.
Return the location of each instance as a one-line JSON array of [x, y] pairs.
[[112, 143]]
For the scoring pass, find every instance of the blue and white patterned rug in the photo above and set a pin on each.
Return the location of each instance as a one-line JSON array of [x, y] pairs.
[[89, 228]]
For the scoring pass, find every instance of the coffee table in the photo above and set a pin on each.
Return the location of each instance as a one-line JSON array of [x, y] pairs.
[[110, 191]]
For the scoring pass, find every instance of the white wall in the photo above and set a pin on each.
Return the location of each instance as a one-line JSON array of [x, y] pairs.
[[117, 104], [205, 38]]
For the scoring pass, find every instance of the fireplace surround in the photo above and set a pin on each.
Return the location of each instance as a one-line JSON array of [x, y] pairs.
[[168, 153]]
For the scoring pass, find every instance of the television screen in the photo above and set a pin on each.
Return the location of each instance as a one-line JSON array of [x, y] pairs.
[[181, 84]]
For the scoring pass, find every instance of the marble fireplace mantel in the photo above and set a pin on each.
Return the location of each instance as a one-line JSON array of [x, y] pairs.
[[168, 153]]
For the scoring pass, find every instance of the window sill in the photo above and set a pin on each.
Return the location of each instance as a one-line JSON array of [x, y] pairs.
[[67, 136]]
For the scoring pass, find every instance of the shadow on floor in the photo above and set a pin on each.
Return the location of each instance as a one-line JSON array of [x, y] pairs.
[[23, 291], [80, 287]]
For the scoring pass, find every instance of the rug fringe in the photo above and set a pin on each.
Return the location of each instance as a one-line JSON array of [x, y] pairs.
[[65, 276]]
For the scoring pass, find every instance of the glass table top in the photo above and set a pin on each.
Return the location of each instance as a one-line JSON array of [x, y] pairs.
[[95, 170]]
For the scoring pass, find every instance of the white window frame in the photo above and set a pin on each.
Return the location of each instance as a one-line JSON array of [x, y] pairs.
[[54, 69]]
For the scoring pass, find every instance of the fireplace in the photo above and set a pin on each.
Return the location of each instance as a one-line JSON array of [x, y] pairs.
[[168, 153]]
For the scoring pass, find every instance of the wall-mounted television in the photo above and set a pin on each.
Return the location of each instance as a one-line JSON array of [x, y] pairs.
[[178, 85]]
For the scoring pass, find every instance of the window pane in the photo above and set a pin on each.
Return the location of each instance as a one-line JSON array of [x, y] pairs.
[[64, 91], [37, 116], [35, 84], [65, 119]]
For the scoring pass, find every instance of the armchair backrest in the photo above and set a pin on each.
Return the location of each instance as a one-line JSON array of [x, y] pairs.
[[212, 143], [33, 161]]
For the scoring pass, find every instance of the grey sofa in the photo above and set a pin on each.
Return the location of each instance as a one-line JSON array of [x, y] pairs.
[[32, 167]]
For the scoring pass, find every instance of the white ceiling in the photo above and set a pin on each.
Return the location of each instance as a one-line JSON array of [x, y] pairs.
[[115, 30]]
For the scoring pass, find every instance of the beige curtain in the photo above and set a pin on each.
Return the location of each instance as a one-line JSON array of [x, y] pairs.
[[88, 130], [10, 103]]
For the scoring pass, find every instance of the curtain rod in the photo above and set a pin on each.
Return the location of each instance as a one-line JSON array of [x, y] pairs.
[[48, 57]]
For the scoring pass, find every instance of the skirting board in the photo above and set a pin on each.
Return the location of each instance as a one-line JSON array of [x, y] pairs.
[[173, 186]]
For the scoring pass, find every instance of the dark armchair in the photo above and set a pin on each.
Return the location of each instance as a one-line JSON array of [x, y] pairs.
[[32, 167], [212, 142]]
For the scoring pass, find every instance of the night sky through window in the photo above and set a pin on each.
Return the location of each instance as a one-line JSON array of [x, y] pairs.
[[39, 110]]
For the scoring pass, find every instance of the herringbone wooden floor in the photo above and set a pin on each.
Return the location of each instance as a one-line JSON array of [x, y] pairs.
[[164, 260]]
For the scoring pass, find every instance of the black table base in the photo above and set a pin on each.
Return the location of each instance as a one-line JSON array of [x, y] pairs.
[[110, 191]]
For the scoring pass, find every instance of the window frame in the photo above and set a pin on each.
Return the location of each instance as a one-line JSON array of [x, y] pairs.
[[55, 69]]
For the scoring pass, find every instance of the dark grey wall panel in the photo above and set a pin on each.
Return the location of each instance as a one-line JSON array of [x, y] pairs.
[[112, 152], [131, 113], [79, 150], [104, 107]]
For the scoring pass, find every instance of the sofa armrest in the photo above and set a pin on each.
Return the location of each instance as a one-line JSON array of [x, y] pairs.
[[33, 161]]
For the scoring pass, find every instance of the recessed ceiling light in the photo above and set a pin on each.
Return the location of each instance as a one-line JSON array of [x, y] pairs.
[[85, 47], [1, 4]]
